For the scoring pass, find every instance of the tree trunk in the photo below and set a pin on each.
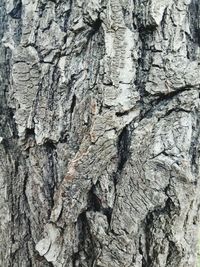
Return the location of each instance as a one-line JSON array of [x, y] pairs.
[[99, 136]]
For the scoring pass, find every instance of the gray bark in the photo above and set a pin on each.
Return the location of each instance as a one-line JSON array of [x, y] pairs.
[[99, 136]]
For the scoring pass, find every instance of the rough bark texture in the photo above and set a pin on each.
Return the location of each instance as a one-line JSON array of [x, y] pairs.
[[99, 126]]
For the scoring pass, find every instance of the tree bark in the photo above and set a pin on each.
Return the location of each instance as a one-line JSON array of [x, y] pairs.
[[99, 136]]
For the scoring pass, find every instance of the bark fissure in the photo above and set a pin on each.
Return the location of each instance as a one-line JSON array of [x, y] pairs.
[[16, 12]]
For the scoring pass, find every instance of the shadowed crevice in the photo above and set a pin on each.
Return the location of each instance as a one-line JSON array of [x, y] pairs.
[[50, 177], [194, 19], [16, 12], [86, 245], [123, 148], [73, 104]]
